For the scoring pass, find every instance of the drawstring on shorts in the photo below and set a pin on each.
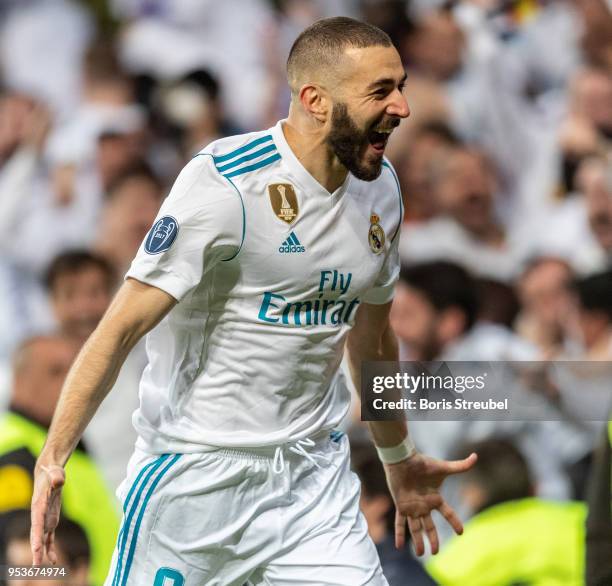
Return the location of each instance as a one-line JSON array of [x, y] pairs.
[[299, 448]]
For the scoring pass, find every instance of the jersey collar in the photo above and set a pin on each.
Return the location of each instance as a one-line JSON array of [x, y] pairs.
[[297, 169]]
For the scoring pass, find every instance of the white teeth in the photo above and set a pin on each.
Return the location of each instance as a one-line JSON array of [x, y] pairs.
[[384, 131]]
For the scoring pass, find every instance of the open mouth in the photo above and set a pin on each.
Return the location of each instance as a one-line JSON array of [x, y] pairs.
[[378, 139]]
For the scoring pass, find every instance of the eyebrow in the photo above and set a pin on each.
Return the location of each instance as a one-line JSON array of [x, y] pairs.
[[386, 81]]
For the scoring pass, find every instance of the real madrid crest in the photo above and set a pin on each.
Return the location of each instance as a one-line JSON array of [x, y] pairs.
[[376, 235], [284, 201]]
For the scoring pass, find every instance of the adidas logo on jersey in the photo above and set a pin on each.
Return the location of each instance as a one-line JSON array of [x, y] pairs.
[[291, 245]]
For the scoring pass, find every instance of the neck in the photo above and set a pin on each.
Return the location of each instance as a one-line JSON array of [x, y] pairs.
[[307, 141]]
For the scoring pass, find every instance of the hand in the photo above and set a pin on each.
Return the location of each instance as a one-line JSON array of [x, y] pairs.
[[414, 484], [46, 503]]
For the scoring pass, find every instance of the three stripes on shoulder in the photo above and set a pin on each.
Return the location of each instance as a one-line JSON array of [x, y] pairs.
[[248, 157]]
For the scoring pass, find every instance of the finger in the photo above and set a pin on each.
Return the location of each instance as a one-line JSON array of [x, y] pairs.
[[416, 530], [36, 537], [400, 530], [50, 546], [452, 518], [432, 533], [458, 466]]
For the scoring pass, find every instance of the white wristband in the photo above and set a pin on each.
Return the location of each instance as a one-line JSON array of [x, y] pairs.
[[397, 453]]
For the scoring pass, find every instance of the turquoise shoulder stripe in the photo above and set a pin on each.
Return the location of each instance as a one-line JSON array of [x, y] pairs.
[[249, 157], [253, 167], [399, 193], [243, 149], [241, 203], [152, 488], [243, 221], [126, 527]]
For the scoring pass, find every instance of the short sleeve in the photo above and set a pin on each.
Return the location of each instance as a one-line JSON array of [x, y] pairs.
[[200, 224], [383, 289]]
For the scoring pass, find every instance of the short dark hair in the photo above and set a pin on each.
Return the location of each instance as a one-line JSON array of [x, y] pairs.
[[595, 293], [71, 262], [440, 129], [501, 471], [138, 170], [70, 537], [322, 43], [445, 285], [497, 302], [206, 81]]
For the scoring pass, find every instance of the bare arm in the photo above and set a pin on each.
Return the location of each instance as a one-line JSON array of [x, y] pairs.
[[372, 339], [414, 482], [136, 309]]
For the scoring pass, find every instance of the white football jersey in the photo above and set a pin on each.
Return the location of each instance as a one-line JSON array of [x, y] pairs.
[[269, 269]]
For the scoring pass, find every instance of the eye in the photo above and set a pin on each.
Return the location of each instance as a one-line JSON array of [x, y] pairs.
[[401, 87]]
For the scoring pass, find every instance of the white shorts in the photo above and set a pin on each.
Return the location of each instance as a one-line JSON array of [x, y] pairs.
[[257, 516]]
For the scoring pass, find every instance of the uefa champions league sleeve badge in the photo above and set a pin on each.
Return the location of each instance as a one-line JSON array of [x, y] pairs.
[[284, 201], [376, 235], [162, 235]]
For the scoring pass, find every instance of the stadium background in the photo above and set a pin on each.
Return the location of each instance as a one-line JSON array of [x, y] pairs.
[[506, 172]]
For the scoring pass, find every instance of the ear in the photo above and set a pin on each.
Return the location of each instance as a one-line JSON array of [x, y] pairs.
[[315, 101]]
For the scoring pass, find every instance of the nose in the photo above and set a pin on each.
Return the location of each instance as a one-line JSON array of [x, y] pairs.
[[398, 105]]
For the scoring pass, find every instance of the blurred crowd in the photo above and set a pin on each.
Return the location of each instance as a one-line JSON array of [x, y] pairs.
[[506, 171]]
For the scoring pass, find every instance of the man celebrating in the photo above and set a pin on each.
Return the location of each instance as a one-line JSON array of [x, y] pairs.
[[272, 250]]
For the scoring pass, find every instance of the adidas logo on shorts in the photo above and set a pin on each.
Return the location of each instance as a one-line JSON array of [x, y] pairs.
[[291, 245]]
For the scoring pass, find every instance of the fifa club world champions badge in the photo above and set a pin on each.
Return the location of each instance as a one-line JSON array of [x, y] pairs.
[[376, 235], [284, 201]]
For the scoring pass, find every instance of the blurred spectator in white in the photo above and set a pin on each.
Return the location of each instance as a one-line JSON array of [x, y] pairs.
[[435, 317], [580, 229], [193, 108], [412, 164], [41, 46], [166, 39], [467, 231], [435, 46], [107, 108], [544, 289], [545, 170], [47, 206], [40, 191], [130, 206], [592, 247]]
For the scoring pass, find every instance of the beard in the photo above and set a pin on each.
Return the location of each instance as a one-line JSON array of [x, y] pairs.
[[349, 143]]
